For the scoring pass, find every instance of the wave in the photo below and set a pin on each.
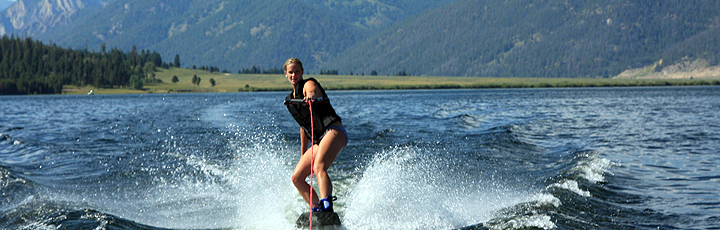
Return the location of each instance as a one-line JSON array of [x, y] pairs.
[[591, 169], [411, 188], [228, 165], [85, 219]]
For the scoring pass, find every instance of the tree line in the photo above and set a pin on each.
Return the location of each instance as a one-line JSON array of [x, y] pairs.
[[252, 70], [31, 67], [28, 66]]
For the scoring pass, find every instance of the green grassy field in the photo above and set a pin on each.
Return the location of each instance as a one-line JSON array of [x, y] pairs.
[[276, 82]]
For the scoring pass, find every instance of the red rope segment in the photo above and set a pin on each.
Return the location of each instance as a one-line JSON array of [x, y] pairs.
[[312, 158]]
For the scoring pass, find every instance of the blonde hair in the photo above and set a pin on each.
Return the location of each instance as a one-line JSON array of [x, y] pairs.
[[293, 61]]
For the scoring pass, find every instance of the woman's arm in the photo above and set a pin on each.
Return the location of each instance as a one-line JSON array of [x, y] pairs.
[[303, 141], [311, 91]]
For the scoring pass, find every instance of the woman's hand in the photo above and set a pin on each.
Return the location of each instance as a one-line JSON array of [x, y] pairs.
[[310, 97]]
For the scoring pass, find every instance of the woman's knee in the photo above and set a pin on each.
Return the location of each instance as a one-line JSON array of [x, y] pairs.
[[297, 178], [319, 169]]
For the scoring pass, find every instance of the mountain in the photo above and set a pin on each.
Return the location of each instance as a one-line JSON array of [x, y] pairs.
[[375, 14], [4, 4], [229, 34], [35, 17], [510, 38], [541, 38]]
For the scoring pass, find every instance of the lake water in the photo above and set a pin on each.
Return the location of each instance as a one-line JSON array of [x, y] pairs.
[[586, 158]]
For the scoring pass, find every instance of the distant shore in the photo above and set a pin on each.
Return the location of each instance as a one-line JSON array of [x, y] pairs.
[[227, 82]]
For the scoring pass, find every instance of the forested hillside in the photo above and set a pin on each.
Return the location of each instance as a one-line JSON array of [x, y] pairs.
[[375, 14], [31, 67], [540, 38], [228, 34]]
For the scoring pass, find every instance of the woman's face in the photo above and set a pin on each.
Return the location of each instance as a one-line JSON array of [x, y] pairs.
[[294, 73]]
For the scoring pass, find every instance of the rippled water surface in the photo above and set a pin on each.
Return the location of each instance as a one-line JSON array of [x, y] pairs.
[[594, 158]]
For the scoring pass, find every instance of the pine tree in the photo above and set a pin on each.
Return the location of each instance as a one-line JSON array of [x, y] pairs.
[[176, 62]]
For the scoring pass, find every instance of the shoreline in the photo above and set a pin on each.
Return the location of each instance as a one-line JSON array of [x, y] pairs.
[[539, 83], [228, 82]]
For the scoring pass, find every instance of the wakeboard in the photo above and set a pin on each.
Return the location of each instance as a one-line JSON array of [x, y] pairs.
[[319, 219]]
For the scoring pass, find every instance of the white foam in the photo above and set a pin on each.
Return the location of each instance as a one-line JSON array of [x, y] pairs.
[[594, 169], [524, 222], [101, 218], [404, 188], [250, 190], [6, 180], [41, 226], [546, 199], [572, 186], [266, 197]]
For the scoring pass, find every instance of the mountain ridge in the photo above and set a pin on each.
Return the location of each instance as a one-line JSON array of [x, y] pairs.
[[34, 17], [4, 4], [160, 25], [541, 39], [514, 38]]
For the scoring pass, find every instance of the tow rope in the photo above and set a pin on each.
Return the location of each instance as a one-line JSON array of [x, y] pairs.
[[312, 158]]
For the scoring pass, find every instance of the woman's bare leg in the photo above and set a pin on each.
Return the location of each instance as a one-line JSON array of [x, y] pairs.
[[325, 154], [302, 171], [328, 149]]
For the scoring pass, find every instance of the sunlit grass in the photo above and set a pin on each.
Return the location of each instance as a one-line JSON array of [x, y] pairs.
[[232, 82]]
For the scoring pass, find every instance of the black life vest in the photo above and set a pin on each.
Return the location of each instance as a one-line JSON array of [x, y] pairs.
[[323, 112]]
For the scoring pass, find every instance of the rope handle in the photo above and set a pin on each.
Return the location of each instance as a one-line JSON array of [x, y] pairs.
[[303, 101]]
